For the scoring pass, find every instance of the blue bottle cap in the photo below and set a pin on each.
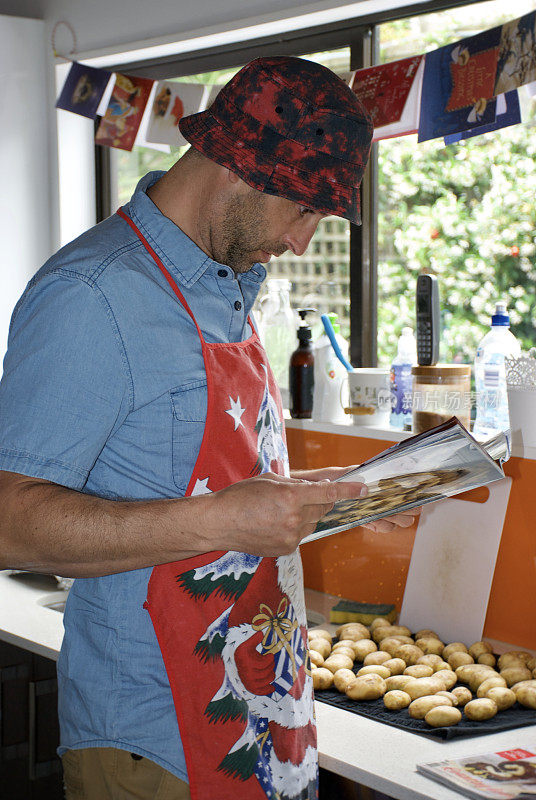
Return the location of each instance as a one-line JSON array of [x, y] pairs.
[[501, 315]]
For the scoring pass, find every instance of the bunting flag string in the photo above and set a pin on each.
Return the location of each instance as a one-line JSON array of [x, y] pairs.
[[463, 89]]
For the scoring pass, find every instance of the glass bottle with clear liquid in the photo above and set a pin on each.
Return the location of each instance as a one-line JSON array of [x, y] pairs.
[[277, 329], [490, 376]]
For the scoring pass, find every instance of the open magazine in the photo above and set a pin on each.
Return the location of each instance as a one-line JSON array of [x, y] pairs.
[[438, 463], [494, 776]]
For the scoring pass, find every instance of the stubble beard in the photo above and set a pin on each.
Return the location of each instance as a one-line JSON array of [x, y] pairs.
[[243, 226]]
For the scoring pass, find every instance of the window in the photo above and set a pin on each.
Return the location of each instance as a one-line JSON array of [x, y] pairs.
[[464, 211]]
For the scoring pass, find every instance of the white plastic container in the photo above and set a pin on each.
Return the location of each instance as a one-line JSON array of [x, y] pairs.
[[331, 378], [490, 376], [401, 379]]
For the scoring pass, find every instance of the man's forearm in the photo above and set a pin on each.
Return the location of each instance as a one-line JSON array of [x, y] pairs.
[[48, 528]]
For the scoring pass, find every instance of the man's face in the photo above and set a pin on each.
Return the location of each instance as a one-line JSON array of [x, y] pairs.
[[256, 226]]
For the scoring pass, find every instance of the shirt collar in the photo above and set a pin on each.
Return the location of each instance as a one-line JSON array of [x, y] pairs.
[[179, 254]]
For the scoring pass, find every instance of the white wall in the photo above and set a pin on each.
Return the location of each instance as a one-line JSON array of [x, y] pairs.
[[25, 230]]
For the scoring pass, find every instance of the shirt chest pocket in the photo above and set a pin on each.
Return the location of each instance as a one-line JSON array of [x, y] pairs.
[[188, 411]]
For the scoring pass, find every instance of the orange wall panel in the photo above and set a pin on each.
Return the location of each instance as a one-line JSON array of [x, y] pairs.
[[372, 567]]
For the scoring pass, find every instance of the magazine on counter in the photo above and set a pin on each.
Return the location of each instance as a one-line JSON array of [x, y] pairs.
[[494, 776], [438, 463]]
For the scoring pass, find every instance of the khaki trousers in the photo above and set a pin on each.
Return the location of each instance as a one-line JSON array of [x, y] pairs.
[[106, 773]]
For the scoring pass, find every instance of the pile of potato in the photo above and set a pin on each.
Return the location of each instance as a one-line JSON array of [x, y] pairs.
[[421, 673]]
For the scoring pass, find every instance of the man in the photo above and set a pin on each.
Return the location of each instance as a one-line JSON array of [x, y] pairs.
[[141, 426]]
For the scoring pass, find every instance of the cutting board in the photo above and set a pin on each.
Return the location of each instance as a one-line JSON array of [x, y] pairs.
[[452, 565]]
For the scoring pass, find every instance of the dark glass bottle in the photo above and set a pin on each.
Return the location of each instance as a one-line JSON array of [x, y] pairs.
[[301, 372]]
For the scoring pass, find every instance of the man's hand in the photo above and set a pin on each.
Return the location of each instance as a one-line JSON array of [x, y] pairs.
[[271, 514], [385, 525]]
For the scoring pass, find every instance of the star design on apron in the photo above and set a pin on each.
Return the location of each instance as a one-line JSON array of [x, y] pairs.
[[235, 411], [201, 487]]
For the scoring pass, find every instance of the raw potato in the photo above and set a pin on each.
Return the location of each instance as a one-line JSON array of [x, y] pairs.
[[457, 659], [344, 643], [512, 657], [447, 677], [453, 647], [344, 651], [419, 671], [489, 683], [488, 659], [390, 630], [367, 687], [321, 646], [397, 682], [420, 707], [353, 630], [336, 662], [322, 678], [442, 716], [342, 679], [363, 647], [531, 663], [452, 697], [426, 633], [318, 633], [440, 665], [474, 674], [379, 657], [463, 694], [526, 696], [316, 658], [409, 653], [431, 660], [390, 645], [516, 674], [430, 645], [480, 709], [374, 669], [479, 648], [395, 666], [503, 698], [379, 622], [396, 700], [419, 687]]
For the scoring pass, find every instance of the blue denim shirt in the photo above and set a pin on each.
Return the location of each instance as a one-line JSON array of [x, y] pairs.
[[104, 391]]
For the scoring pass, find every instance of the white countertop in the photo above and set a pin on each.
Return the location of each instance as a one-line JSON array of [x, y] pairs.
[[386, 434], [368, 752]]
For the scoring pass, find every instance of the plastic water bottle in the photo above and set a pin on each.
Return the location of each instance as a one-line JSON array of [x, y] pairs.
[[277, 329], [490, 376], [401, 379], [331, 378]]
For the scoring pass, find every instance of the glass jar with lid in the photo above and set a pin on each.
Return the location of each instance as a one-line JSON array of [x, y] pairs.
[[439, 393]]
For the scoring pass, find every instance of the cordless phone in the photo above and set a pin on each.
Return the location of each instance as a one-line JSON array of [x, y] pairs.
[[428, 320]]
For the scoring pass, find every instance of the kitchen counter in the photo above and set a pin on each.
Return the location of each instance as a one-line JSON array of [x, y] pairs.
[[375, 755]]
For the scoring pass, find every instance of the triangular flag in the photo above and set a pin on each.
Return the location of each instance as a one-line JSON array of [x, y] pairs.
[[385, 90], [171, 102], [119, 125], [83, 89], [508, 113]]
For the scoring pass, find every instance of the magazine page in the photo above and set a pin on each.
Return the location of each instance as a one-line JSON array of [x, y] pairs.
[[497, 776], [439, 463]]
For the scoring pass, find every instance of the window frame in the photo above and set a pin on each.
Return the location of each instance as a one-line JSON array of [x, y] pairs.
[[361, 36]]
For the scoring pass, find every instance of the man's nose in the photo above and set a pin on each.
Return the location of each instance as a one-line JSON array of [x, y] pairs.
[[298, 241]]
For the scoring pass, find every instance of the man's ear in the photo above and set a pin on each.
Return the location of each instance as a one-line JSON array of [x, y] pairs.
[[233, 177]]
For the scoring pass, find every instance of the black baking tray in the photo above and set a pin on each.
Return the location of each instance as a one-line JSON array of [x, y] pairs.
[[514, 717]]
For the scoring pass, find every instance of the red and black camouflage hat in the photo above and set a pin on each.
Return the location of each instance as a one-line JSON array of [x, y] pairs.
[[292, 128]]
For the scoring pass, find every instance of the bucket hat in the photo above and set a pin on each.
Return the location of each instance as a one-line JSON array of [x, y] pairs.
[[289, 127]]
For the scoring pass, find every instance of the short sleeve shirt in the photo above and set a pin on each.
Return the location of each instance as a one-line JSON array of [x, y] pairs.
[[104, 392]]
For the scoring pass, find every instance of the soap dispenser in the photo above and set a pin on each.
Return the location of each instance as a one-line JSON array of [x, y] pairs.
[[301, 371]]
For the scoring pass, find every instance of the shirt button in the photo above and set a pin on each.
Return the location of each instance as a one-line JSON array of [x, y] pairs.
[[222, 273], [238, 305]]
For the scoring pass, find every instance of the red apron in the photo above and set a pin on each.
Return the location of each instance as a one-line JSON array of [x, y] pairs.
[[231, 626]]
